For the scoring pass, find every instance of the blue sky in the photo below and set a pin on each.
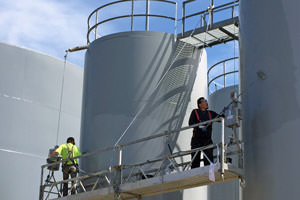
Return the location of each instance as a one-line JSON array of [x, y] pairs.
[[52, 26]]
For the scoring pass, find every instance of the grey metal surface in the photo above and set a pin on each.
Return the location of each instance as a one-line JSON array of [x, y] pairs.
[[130, 73], [30, 85], [227, 190], [270, 43]]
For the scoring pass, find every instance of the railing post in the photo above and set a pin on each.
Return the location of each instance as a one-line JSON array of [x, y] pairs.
[[120, 156], [222, 148], [147, 13], [118, 176], [175, 23], [183, 17], [211, 12], [41, 184], [41, 192], [96, 26], [224, 71], [132, 13]]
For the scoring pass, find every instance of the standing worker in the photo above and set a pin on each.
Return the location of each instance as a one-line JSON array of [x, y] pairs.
[[202, 135], [70, 167]]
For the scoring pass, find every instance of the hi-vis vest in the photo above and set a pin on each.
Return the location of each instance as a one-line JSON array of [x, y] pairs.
[[68, 151]]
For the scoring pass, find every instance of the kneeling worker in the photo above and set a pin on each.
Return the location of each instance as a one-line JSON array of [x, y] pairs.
[[68, 151]]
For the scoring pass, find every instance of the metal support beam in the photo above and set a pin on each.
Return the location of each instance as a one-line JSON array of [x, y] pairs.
[[228, 33], [199, 40]]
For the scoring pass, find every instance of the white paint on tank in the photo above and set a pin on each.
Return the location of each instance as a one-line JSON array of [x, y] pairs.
[[270, 43]]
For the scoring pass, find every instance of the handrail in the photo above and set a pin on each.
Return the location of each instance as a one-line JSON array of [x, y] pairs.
[[224, 74], [123, 167], [120, 176], [167, 133], [132, 15], [209, 11]]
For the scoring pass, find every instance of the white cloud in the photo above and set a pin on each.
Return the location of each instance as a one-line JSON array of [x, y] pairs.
[[43, 25], [52, 26]]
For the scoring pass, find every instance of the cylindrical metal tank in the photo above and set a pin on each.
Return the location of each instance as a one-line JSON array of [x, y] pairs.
[[30, 91], [270, 70], [225, 190], [183, 142], [135, 81]]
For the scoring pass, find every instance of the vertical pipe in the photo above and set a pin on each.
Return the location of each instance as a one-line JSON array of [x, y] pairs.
[[96, 21], [147, 13], [132, 12]]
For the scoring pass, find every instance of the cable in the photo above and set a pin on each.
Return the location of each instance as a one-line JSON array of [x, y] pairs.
[[157, 85], [61, 95]]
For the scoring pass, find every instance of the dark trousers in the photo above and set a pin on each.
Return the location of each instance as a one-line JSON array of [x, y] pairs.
[[69, 170], [196, 143]]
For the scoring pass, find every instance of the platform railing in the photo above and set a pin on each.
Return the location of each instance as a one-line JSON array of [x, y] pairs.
[[94, 26], [223, 74], [127, 173], [209, 12]]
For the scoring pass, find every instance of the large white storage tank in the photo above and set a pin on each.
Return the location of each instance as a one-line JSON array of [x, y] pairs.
[[30, 93], [225, 190], [269, 47], [140, 82]]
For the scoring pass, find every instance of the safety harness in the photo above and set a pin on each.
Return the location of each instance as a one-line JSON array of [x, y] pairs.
[[70, 154], [197, 115]]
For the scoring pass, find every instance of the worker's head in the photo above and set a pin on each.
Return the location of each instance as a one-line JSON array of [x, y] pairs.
[[71, 140], [202, 103]]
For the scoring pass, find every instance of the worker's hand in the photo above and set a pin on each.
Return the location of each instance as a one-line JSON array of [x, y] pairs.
[[203, 128], [54, 153]]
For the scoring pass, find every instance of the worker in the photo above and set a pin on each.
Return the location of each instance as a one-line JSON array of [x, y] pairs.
[[202, 135], [69, 167]]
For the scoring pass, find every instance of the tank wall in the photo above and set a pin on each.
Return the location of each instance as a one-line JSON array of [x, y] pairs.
[[122, 78], [269, 42], [184, 139], [217, 101], [228, 190], [30, 88]]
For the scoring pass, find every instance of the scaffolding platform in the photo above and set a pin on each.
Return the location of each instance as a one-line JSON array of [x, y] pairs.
[[160, 175], [162, 184], [219, 32]]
